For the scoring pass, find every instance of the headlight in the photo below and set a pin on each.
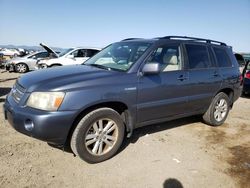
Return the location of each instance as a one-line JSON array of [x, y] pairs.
[[49, 101]]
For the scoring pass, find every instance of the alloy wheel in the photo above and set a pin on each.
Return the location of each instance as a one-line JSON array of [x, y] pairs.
[[101, 137], [221, 108]]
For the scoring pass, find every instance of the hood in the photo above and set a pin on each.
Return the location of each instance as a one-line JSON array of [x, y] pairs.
[[48, 49], [63, 78]]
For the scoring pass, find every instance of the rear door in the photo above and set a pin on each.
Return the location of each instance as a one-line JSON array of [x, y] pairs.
[[204, 78], [163, 95]]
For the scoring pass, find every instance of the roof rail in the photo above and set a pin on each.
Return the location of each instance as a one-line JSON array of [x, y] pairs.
[[130, 39], [195, 39]]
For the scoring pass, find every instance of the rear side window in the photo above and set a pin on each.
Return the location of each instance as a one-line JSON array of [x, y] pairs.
[[197, 56], [222, 58]]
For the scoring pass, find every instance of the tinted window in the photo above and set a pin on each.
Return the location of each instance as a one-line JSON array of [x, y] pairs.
[[212, 58], [197, 56], [42, 55], [79, 53], [39, 55], [222, 58], [91, 53], [169, 57]]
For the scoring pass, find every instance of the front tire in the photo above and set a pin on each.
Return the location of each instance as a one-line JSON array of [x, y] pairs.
[[21, 68], [98, 135], [218, 110]]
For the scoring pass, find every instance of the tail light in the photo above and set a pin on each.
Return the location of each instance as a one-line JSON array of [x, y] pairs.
[[241, 78], [247, 75]]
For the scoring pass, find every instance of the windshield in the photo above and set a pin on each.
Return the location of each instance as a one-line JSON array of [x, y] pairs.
[[119, 56], [64, 52]]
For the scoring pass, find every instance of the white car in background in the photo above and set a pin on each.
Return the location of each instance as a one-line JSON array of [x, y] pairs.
[[70, 56], [28, 62], [9, 52]]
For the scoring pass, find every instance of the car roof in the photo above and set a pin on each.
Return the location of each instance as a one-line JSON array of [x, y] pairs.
[[86, 47], [177, 39]]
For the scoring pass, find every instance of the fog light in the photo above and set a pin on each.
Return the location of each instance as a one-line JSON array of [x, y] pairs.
[[28, 125]]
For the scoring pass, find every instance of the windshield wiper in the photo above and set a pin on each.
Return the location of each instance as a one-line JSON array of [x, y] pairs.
[[99, 66], [104, 67]]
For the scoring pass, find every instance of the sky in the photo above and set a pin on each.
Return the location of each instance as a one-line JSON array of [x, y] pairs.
[[69, 23]]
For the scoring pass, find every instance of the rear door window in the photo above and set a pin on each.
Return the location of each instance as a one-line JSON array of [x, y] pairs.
[[222, 58], [197, 56]]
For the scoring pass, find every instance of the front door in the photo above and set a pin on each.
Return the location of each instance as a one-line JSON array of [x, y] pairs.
[[163, 95]]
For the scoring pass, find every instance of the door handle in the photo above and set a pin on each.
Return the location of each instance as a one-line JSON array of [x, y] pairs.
[[181, 78]]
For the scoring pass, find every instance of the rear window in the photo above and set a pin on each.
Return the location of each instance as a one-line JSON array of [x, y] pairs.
[[222, 58], [197, 56]]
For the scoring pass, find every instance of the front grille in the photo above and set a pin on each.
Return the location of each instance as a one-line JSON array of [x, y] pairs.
[[17, 92]]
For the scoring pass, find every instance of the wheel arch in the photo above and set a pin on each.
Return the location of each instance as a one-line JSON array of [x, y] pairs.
[[119, 107], [55, 64], [229, 92]]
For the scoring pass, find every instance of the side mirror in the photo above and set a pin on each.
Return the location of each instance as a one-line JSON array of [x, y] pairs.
[[70, 56], [151, 68]]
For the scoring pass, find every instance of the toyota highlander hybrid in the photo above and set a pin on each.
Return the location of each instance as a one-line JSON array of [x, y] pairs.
[[129, 84]]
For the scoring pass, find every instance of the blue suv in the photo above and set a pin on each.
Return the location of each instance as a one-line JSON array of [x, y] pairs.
[[129, 84]]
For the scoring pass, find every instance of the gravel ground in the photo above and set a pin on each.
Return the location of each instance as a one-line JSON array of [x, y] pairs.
[[181, 153]]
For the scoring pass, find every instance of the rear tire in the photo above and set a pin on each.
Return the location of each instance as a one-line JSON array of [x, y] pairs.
[[218, 110], [98, 135]]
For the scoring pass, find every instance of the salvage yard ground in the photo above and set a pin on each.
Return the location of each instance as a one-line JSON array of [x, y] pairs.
[[185, 153]]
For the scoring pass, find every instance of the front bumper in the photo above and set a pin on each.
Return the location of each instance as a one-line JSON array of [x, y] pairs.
[[52, 127]]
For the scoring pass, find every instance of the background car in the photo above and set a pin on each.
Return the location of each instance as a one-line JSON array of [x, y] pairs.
[[9, 52], [70, 56], [246, 78], [28, 62], [241, 61], [246, 56]]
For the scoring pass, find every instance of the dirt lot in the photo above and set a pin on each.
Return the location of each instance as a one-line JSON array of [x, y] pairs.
[[182, 153]]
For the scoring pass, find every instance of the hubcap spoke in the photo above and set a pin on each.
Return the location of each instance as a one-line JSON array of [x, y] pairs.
[[110, 123], [107, 142], [221, 102], [110, 137], [100, 148], [100, 125], [111, 129], [90, 142], [94, 150], [90, 136], [95, 127]]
